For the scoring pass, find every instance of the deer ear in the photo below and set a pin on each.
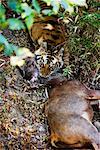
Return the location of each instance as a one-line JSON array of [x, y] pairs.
[[93, 94], [55, 80]]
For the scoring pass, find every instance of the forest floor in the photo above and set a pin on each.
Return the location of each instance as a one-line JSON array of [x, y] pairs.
[[23, 124]]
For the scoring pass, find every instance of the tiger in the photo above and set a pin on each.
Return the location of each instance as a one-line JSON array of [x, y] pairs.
[[47, 29], [48, 62], [48, 33]]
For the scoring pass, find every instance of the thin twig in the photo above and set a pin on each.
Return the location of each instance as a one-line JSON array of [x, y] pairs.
[[95, 75], [59, 45], [3, 62]]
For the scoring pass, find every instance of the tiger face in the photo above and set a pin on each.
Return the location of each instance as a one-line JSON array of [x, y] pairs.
[[48, 62]]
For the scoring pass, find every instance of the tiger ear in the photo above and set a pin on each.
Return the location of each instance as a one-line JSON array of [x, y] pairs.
[[61, 52], [44, 45]]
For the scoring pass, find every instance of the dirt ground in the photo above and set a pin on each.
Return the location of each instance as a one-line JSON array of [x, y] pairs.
[[23, 124]]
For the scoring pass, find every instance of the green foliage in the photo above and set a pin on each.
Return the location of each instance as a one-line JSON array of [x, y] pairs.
[[15, 5], [29, 20], [67, 5], [9, 48], [64, 4], [56, 6], [67, 71], [36, 6], [47, 12], [94, 3], [26, 12], [92, 19], [3, 22], [3, 40], [8, 51], [85, 38], [15, 24], [4, 109], [21, 54]]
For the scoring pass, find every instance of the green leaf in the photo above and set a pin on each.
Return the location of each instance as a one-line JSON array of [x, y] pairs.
[[4, 109], [78, 2], [29, 20], [47, 12], [36, 5], [1, 47], [3, 22], [27, 10], [64, 4], [67, 71], [15, 24], [21, 53], [56, 6], [2, 9], [1, 99], [24, 52], [68, 5], [15, 5], [92, 19], [8, 51], [12, 4], [3, 40], [8, 48]]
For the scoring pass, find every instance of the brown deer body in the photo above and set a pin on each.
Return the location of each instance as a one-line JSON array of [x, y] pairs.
[[70, 114]]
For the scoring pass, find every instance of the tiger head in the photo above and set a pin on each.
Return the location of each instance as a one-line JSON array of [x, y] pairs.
[[46, 61]]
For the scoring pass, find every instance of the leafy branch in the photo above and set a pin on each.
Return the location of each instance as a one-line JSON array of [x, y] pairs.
[[26, 13]]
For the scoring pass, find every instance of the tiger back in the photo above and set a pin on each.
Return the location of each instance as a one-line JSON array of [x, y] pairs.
[[47, 29]]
